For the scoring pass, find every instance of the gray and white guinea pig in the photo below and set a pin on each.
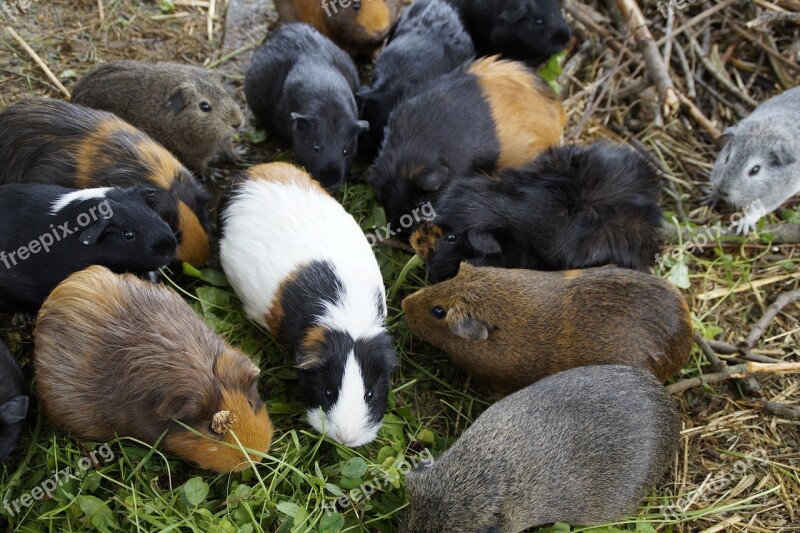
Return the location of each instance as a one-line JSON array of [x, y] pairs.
[[48, 232], [183, 107], [304, 269], [302, 86], [583, 446], [13, 402], [758, 169]]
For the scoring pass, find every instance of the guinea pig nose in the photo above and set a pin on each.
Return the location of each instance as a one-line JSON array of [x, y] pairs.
[[237, 125], [561, 36], [166, 247]]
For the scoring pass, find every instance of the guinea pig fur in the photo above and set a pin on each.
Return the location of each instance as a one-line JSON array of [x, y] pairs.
[[526, 30], [512, 327], [428, 42], [13, 402], [358, 27], [304, 269], [185, 108], [48, 232], [582, 447], [505, 116], [302, 86], [758, 168], [115, 355], [574, 207], [49, 141]]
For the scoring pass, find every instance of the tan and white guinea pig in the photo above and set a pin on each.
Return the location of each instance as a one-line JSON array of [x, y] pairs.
[[303, 268], [512, 327], [118, 356]]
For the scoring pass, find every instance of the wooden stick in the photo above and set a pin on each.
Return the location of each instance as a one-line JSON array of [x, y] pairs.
[[719, 293], [787, 298], [656, 68], [716, 364], [38, 61], [102, 10], [734, 372], [701, 119], [212, 7], [778, 409]]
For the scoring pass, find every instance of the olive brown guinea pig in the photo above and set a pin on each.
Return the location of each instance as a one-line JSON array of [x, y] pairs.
[[49, 141], [758, 169], [505, 116], [13, 402], [512, 327], [183, 107], [303, 87], [584, 446], [428, 42], [526, 30], [304, 269], [574, 207], [48, 232], [359, 26], [118, 356]]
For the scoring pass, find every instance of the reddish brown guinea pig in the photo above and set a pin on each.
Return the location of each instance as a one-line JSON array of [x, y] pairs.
[[512, 327], [118, 356]]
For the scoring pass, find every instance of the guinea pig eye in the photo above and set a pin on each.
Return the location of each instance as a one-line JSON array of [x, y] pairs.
[[205, 107], [451, 238], [368, 396], [356, 5], [438, 312], [755, 170], [316, 148], [538, 21], [328, 394], [345, 152], [128, 235]]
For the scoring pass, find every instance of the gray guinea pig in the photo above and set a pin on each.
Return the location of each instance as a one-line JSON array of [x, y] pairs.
[[583, 446], [757, 169], [13, 402], [183, 107]]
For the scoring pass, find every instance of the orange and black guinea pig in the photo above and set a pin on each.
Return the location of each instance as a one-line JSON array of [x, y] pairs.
[[118, 356], [50, 141]]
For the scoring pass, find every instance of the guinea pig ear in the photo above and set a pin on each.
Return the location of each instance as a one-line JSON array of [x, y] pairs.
[[466, 326], [302, 122], [360, 127], [179, 99], [483, 242], [781, 155], [433, 180], [514, 12], [183, 406], [14, 410], [92, 234]]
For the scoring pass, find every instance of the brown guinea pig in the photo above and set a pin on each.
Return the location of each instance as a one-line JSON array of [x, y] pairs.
[[43, 140], [183, 107], [512, 327], [356, 26], [115, 355]]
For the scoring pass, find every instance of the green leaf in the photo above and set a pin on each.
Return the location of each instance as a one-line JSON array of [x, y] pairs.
[[68, 74], [289, 508], [98, 513], [354, 468], [679, 275], [426, 436], [331, 522], [195, 491], [167, 6], [255, 136]]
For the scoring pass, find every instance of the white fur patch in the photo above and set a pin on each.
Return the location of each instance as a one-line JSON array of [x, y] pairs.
[[347, 421], [78, 196]]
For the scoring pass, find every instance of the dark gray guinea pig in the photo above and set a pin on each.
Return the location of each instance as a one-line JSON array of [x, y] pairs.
[[13, 402], [583, 446], [428, 42], [302, 86], [185, 108], [48, 232]]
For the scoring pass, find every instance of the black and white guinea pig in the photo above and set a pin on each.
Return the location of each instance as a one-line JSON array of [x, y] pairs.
[[13, 402], [48, 232], [574, 207], [304, 269]]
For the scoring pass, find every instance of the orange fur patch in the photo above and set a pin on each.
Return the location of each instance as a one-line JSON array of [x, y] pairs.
[[194, 246], [162, 164], [528, 115], [374, 17], [424, 239], [313, 341], [91, 158], [572, 274], [285, 174]]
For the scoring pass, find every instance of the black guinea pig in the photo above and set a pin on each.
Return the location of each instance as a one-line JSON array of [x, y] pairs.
[[13, 402], [48, 232], [428, 42], [526, 30], [574, 207], [302, 86], [43, 140]]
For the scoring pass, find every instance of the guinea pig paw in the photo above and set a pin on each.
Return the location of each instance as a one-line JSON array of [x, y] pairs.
[[744, 225]]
